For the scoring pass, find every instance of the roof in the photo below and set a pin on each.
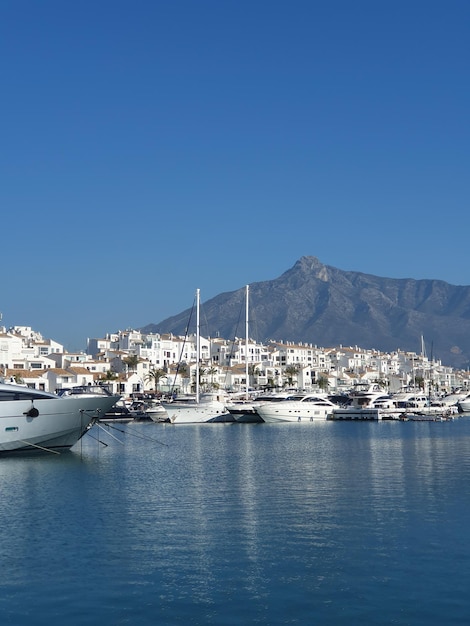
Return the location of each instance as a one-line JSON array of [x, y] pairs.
[[24, 373], [79, 370]]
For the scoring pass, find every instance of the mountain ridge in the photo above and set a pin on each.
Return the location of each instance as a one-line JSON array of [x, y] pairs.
[[326, 306]]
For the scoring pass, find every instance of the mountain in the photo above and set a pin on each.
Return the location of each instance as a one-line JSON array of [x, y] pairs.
[[326, 306]]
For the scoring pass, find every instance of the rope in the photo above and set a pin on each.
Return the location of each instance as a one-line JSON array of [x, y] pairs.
[[34, 445], [110, 434], [126, 432], [98, 440]]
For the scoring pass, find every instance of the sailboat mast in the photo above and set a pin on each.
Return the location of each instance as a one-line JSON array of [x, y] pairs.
[[246, 339], [198, 344]]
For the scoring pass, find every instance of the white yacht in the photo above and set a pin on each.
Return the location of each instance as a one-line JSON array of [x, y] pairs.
[[297, 408], [416, 402], [207, 407], [37, 420], [368, 402], [463, 405], [148, 410], [452, 399], [411, 399], [245, 410]]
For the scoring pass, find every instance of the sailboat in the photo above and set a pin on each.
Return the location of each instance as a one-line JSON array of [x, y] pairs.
[[242, 410], [204, 407], [431, 411]]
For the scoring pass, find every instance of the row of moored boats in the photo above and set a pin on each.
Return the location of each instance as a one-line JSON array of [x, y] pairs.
[[364, 402], [37, 420]]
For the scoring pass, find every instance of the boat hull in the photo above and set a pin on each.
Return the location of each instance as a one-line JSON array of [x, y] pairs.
[[196, 413], [419, 417], [247, 418], [158, 417], [50, 423], [272, 415], [365, 414], [244, 413]]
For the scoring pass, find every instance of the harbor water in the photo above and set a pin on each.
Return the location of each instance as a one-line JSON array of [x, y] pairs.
[[332, 523]]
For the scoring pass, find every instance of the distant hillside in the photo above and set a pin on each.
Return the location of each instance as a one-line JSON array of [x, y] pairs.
[[326, 306]]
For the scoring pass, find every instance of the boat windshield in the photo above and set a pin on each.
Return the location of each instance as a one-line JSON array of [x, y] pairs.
[[7, 395], [317, 400], [96, 390], [294, 397]]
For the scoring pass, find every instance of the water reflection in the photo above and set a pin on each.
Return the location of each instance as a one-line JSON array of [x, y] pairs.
[[251, 521]]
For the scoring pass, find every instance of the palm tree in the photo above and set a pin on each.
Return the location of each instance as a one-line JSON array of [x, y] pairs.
[[419, 380], [291, 371], [108, 379], [155, 376], [202, 372], [212, 371], [323, 383], [253, 371], [182, 370], [381, 382], [132, 361], [110, 375]]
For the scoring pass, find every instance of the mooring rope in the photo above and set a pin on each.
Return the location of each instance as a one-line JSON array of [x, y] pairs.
[[98, 440], [127, 432], [35, 445], [110, 434]]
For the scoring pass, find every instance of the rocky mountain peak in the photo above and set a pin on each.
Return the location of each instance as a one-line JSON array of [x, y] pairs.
[[311, 267], [315, 303]]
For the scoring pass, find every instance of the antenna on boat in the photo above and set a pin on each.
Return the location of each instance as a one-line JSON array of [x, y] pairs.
[[246, 342], [198, 345]]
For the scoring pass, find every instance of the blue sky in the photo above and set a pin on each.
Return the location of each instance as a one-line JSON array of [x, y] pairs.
[[151, 147]]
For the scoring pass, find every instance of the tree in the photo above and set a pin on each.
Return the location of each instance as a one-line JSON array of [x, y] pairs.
[[291, 371], [382, 382], [202, 372], [212, 371], [323, 383], [155, 377], [182, 370], [131, 361], [419, 380], [253, 372], [110, 375]]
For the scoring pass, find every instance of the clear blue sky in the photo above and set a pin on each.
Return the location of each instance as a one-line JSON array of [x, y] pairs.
[[149, 148]]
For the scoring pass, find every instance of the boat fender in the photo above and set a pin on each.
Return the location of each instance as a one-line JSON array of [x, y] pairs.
[[33, 412]]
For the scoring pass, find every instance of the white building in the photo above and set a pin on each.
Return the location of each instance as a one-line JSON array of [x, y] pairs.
[[223, 363]]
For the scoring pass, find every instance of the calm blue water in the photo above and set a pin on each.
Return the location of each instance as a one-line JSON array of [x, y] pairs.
[[324, 524]]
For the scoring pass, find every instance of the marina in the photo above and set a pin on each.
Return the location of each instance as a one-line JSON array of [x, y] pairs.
[[195, 379], [293, 449]]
